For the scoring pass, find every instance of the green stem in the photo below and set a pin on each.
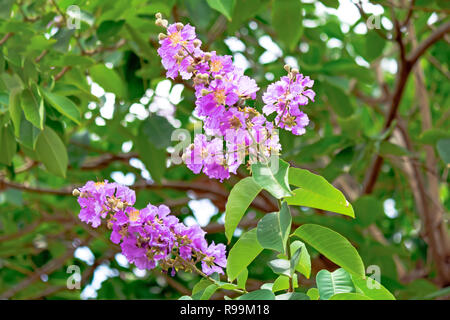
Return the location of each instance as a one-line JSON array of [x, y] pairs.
[[194, 267], [289, 255]]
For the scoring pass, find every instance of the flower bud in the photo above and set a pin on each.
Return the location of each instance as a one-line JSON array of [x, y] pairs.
[[179, 26], [207, 56], [159, 22], [287, 68], [158, 15], [197, 43], [218, 77], [162, 36], [204, 92], [190, 69], [76, 192], [119, 205], [295, 71]]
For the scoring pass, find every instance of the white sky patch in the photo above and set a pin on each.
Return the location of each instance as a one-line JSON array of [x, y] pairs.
[[360, 28], [235, 44], [107, 110], [273, 50], [144, 100], [163, 88], [84, 254], [138, 164], [139, 110], [269, 76], [203, 210], [126, 146], [100, 121], [389, 64], [290, 60], [386, 23], [432, 19], [334, 43], [140, 273], [122, 260], [96, 90], [310, 23], [190, 221], [241, 61], [389, 208], [126, 179], [102, 273], [253, 25], [175, 96], [360, 61]]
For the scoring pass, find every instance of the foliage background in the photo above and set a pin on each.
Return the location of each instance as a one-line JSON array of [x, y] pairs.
[[93, 104]]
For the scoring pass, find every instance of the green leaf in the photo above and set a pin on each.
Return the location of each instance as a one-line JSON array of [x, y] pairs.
[[331, 3], [316, 192], [280, 266], [313, 294], [225, 7], [374, 45], [349, 296], [274, 228], [15, 111], [333, 246], [292, 296], [33, 108], [431, 136], [331, 283], [240, 198], [52, 152], [369, 209], [388, 148], [287, 20], [304, 264], [8, 144], [374, 290], [28, 134], [63, 105], [282, 283], [108, 79], [109, 29], [294, 260], [443, 148], [153, 157], [244, 251], [242, 279], [258, 295], [273, 177], [338, 99], [158, 130]]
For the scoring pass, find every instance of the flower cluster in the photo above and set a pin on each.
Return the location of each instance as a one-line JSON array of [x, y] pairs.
[[151, 236], [285, 97], [222, 91]]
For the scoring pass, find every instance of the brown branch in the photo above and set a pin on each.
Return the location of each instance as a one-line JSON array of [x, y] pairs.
[[6, 37], [51, 266], [436, 35]]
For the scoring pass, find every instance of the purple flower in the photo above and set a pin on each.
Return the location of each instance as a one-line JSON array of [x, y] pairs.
[[285, 97], [151, 236]]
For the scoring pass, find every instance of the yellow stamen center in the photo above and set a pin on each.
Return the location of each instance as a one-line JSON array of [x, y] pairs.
[[216, 66], [134, 216], [220, 96]]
